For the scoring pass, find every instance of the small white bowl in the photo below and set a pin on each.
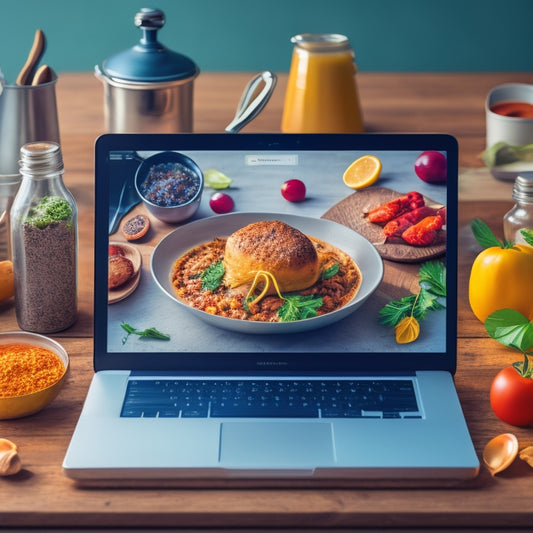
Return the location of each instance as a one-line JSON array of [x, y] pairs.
[[512, 130], [516, 131]]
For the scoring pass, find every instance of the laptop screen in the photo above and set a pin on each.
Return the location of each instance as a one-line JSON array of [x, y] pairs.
[[326, 279]]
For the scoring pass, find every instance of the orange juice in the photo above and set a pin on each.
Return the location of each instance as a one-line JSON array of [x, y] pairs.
[[321, 92]]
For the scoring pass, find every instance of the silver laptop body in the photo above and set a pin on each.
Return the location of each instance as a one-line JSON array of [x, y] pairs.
[[126, 434]]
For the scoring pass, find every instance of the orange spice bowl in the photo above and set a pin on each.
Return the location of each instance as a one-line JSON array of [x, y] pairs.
[[28, 404]]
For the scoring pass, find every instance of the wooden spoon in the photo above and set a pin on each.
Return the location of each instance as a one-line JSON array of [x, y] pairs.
[[27, 72], [44, 74], [500, 452]]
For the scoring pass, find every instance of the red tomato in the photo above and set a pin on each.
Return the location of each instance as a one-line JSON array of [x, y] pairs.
[[221, 202], [511, 397], [293, 190], [430, 166]]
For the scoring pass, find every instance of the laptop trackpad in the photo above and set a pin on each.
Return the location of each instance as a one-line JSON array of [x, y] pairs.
[[277, 444]]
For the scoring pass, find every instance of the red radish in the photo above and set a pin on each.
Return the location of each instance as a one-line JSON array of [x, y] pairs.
[[221, 203], [430, 166], [293, 190]]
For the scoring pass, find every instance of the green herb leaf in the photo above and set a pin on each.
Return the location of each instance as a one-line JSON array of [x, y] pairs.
[[212, 276], [298, 307], [395, 311], [151, 333], [528, 236], [331, 271], [432, 277], [484, 235], [510, 328]]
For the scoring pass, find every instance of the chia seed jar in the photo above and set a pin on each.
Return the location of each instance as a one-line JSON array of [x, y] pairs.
[[44, 240]]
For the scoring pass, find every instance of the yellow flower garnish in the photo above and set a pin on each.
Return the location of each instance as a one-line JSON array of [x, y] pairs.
[[407, 330]]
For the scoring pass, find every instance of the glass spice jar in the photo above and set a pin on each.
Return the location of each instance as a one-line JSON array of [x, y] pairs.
[[44, 241], [521, 215]]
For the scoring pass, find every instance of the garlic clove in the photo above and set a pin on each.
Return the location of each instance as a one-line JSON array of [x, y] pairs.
[[10, 462]]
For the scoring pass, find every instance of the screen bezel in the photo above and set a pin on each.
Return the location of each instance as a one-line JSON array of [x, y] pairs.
[[274, 363]]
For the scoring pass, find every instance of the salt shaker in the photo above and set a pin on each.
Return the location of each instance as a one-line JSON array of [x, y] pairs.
[[521, 215], [44, 241]]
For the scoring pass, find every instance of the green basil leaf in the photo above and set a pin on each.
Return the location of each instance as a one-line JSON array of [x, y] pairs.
[[510, 328], [432, 277], [331, 271], [484, 235]]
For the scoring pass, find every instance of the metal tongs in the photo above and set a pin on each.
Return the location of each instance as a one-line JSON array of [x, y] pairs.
[[249, 107]]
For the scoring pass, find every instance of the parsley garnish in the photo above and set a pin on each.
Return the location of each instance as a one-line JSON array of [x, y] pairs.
[[432, 280], [298, 307], [151, 333], [212, 276]]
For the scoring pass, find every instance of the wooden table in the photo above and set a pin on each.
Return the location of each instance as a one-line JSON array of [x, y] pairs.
[[42, 496]]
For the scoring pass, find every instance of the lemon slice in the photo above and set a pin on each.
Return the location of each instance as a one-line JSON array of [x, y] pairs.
[[216, 180], [363, 172]]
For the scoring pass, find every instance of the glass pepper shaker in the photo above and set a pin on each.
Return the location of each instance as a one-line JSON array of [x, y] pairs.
[[44, 241], [521, 215]]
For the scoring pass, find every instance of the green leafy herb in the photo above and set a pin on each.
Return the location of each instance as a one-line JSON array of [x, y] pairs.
[[212, 276], [528, 236], [330, 271], [49, 209], [151, 333], [514, 330], [432, 280], [432, 277], [299, 307], [485, 237]]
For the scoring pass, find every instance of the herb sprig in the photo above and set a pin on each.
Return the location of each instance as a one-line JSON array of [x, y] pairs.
[[404, 315], [151, 333], [212, 276], [299, 307]]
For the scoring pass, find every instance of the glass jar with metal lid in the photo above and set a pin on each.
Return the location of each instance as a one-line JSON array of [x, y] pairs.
[[521, 215], [44, 239]]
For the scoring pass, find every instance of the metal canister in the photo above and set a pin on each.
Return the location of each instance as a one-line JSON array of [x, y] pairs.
[[148, 88]]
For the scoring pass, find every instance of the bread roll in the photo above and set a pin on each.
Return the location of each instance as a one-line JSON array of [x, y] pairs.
[[272, 246]]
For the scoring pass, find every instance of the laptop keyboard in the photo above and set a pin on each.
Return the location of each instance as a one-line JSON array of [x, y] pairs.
[[360, 398]]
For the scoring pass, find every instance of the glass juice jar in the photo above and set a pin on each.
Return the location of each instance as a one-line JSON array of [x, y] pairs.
[[521, 215], [321, 94], [44, 240]]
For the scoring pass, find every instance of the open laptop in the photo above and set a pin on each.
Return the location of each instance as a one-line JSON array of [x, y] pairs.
[[329, 397]]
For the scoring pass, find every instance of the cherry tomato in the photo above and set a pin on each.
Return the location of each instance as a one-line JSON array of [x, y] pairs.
[[511, 397], [221, 203], [430, 166], [293, 190]]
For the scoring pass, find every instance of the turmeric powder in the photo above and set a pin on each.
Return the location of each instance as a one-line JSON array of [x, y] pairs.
[[26, 368]]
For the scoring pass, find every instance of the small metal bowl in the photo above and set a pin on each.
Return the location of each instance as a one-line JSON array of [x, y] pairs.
[[28, 404], [180, 211]]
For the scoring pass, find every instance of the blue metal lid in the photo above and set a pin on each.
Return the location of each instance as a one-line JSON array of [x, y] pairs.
[[149, 60]]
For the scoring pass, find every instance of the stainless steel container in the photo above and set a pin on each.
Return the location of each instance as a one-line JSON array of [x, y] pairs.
[[148, 88]]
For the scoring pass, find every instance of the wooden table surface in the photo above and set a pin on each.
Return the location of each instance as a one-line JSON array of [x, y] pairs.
[[41, 496]]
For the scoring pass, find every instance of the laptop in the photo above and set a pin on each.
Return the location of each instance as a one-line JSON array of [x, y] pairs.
[[191, 387]]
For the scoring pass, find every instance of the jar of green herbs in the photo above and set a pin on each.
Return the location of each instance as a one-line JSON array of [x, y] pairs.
[[44, 239]]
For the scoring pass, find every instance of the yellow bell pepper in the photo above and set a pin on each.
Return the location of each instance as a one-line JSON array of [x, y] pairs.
[[502, 278]]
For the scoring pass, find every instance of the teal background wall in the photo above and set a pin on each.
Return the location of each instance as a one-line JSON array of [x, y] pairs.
[[253, 35]]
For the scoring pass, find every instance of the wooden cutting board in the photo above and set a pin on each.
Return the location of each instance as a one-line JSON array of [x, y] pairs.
[[351, 213]]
